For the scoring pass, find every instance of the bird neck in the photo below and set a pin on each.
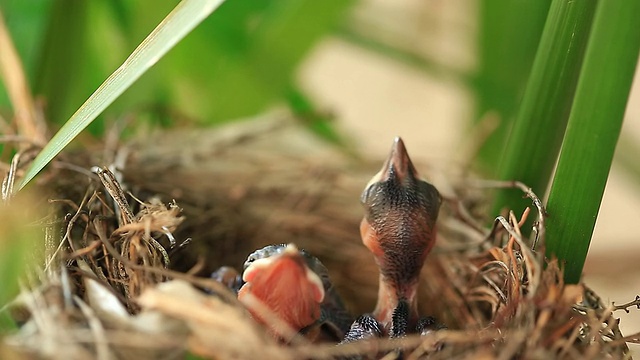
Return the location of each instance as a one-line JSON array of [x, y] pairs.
[[388, 297]]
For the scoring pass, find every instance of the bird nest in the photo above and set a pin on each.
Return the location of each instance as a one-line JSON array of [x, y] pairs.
[[127, 278]]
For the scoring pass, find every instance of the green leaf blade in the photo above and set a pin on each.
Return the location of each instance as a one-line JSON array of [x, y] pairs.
[[184, 18], [534, 143], [509, 35], [592, 133]]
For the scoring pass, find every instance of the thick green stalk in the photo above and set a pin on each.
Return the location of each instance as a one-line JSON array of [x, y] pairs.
[[533, 145], [61, 71], [509, 36], [592, 132]]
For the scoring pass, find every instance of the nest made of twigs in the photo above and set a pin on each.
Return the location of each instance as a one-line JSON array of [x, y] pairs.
[[126, 277]]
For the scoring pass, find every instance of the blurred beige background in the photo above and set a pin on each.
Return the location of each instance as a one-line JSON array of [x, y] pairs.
[[376, 98]]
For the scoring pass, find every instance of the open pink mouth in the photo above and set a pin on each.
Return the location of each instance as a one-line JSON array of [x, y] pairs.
[[285, 284]]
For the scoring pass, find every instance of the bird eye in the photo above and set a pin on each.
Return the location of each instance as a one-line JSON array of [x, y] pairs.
[[369, 192], [248, 262], [365, 194]]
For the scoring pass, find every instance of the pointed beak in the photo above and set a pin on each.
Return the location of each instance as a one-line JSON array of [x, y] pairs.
[[398, 165]]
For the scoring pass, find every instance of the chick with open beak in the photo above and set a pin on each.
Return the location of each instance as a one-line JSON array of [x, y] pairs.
[[399, 229], [296, 288]]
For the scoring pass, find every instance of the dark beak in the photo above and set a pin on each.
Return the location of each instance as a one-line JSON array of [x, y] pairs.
[[398, 165]]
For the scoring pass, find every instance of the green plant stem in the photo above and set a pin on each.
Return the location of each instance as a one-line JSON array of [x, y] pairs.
[[509, 35], [592, 132], [404, 56], [61, 69], [533, 145], [313, 118]]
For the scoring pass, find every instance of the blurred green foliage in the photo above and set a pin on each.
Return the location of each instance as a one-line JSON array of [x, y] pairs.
[[238, 62], [509, 34], [19, 236]]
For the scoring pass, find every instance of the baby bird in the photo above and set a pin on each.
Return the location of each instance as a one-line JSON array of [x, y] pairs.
[[295, 287], [399, 229]]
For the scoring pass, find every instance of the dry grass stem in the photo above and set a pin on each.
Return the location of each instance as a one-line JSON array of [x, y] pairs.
[[27, 120]]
